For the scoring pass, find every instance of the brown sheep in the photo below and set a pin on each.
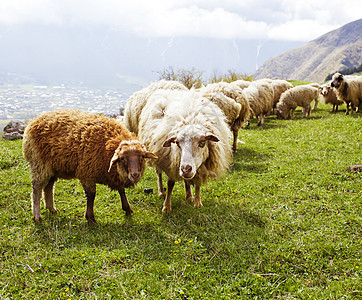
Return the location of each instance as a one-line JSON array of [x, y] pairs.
[[74, 144]]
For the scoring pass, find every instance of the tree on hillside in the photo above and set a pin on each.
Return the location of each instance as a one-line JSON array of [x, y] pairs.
[[346, 71]]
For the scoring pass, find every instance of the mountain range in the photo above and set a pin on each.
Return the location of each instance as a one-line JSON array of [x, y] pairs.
[[333, 51]]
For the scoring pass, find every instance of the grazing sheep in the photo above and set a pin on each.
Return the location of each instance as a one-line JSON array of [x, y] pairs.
[[301, 95], [329, 96], [348, 89], [279, 87], [190, 137], [260, 96], [317, 86], [138, 100], [235, 93], [74, 144]]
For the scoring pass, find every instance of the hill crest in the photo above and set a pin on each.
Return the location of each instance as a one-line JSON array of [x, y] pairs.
[[333, 51]]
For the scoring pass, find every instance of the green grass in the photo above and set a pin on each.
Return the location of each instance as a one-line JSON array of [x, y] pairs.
[[284, 222]]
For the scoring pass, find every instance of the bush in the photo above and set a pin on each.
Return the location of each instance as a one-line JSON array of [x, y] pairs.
[[189, 78], [193, 78]]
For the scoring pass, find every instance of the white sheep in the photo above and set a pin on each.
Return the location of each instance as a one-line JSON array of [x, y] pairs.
[[301, 95], [231, 92], [74, 144], [260, 96], [279, 87], [329, 97], [348, 89], [242, 84], [190, 137], [138, 100]]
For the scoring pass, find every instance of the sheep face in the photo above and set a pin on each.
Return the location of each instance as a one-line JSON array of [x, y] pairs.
[[191, 142], [337, 80], [325, 90], [280, 115], [130, 159]]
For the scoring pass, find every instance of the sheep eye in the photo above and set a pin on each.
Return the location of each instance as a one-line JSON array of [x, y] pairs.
[[201, 144], [178, 144]]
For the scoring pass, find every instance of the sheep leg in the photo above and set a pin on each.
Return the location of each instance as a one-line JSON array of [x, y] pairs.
[[49, 196], [197, 197], [306, 111], [352, 108], [167, 203], [35, 197], [292, 114], [235, 142], [333, 109], [161, 190], [261, 120], [125, 204], [90, 192], [188, 191], [347, 108]]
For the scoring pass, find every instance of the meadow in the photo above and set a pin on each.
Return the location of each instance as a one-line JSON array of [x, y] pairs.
[[283, 223]]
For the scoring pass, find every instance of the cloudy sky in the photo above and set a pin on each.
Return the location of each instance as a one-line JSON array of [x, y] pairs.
[[293, 20]]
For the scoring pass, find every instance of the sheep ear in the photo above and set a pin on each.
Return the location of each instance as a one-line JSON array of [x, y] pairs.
[[114, 159], [170, 141], [150, 155], [211, 137]]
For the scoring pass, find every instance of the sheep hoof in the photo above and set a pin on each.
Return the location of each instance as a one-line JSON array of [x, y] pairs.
[[37, 219], [91, 220], [166, 210], [129, 212], [198, 205], [53, 211], [161, 195], [191, 199]]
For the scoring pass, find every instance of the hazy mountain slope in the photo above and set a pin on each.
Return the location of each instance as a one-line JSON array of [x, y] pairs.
[[338, 49]]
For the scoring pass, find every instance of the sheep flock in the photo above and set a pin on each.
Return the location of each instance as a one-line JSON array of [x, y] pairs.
[[188, 135]]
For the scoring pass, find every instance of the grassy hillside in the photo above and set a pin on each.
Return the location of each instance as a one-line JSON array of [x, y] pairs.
[[284, 222]]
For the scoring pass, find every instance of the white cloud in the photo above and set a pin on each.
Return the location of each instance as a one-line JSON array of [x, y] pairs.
[[261, 19]]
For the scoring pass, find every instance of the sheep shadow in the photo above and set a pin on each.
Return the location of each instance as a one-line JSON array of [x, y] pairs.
[[270, 122], [249, 160], [156, 235]]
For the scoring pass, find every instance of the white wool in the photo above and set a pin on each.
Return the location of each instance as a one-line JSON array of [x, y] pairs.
[[167, 113], [138, 100]]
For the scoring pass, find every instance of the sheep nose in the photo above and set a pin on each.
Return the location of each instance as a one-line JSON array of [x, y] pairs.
[[135, 176], [186, 171]]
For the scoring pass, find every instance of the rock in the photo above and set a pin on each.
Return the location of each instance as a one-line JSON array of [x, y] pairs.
[[12, 136], [14, 130], [355, 168]]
